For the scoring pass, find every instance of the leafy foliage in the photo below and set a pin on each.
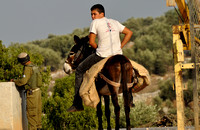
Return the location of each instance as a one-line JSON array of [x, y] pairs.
[[152, 43], [58, 118], [11, 69], [51, 57], [56, 106], [152, 47], [166, 100], [139, 115], [167, 91], [59, 44], [149, 114]]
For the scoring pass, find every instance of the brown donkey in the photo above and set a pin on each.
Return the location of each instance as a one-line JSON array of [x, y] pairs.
[[117, 69]]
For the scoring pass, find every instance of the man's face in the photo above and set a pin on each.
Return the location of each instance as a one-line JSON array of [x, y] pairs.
[[96, 15]]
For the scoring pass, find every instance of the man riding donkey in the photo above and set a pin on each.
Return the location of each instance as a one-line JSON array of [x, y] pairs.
[[108, 33]]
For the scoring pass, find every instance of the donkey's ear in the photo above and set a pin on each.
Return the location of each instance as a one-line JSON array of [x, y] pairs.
[[76, 39], [86, 38]]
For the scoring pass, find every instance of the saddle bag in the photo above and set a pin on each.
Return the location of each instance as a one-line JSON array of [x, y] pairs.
[[88, 90], [91, 97]]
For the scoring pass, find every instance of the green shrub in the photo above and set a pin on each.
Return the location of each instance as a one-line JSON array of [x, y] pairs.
[[157, 101], [166, 90], [10, 68], [56, 115], [141, 114]]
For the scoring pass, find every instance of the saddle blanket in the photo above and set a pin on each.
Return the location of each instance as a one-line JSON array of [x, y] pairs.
[[88, 90]]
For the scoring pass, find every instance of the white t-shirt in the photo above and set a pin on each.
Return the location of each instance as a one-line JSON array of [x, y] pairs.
[[108, 33]]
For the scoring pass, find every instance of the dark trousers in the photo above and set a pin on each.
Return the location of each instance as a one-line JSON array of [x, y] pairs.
[[80, 70]]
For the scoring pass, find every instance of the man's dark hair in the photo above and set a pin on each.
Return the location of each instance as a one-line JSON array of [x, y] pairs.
[[99, 8]]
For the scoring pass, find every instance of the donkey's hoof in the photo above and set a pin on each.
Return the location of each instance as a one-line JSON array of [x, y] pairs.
[[132, 105]]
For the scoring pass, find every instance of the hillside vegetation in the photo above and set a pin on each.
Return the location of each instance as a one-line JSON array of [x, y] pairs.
[[151, 46], [152, 43]]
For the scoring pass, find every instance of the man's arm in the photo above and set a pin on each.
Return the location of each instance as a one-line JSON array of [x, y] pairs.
[[128, 33], [25, 78], [92, 42]]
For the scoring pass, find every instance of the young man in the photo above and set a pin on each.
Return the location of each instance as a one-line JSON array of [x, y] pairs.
[[33, 92], [108, 33]]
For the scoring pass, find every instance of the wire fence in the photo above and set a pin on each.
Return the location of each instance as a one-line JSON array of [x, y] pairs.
[[194, 12], [161, 128]]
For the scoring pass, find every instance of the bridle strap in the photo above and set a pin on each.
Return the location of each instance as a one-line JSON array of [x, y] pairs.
[[77, 55]]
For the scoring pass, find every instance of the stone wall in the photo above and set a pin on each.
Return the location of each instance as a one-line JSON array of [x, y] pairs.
[[10, 107]]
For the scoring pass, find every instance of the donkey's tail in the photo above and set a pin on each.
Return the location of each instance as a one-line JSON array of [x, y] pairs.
[[126, 77]]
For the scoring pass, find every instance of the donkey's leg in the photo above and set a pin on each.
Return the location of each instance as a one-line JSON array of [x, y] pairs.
[[126, 96], [116, 110], [99, 115], [127, 110], [107, 111]]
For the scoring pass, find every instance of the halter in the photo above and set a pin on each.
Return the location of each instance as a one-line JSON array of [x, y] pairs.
[[78, 55]]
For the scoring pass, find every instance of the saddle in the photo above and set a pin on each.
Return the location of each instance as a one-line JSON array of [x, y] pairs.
[[88, 90]]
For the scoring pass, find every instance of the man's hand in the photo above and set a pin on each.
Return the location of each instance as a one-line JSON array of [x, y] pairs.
[[128, 33], [12, 80]]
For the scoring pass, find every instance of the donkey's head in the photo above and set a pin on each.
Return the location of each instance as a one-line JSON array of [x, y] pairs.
[[78, 53]]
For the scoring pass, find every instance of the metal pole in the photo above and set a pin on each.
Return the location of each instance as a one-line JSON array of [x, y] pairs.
[[23, 105], [179, 98], [178, 58]]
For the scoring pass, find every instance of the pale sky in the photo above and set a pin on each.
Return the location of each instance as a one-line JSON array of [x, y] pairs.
[[28, 20]]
